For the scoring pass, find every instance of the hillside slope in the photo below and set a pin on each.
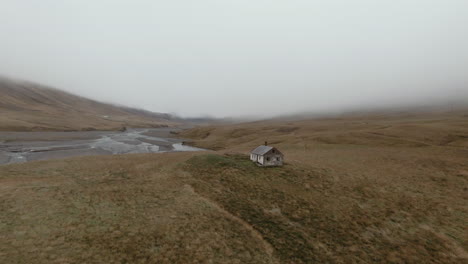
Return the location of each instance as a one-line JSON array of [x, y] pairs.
[[373, 189], [26, 106], [353, 190]]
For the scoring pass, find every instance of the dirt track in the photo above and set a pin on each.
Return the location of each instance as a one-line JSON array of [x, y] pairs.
[[381, 190]]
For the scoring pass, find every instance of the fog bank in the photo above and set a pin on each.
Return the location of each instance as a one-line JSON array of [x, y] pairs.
[[241, 58]]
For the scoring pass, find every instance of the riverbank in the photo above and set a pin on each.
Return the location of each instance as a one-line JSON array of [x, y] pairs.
[[17, 147]]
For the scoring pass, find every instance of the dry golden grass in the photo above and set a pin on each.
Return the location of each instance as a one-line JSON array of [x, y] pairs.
[[362, 189], [353, 190], [32, 107], [116, 209]]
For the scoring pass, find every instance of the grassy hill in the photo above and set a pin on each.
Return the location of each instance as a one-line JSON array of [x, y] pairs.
[[354, 189], [27, 106], [374, 189]]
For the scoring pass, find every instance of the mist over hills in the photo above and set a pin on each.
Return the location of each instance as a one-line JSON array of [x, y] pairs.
[[27, 106]]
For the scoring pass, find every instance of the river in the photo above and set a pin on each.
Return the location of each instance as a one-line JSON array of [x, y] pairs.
[[17, 147]]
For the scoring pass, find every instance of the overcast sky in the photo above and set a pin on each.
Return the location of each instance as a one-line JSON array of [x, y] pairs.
[[240, 57]]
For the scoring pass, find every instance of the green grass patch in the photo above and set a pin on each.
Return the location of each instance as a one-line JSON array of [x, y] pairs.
[[251, 193], [213, 161]]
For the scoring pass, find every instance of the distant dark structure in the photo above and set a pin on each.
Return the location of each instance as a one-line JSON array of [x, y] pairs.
[[267, 156]]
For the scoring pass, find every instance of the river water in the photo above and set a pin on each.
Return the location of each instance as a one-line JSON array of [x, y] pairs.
[[16, 147]]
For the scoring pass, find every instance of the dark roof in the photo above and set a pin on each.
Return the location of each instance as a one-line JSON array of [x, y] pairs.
[[261, 150]]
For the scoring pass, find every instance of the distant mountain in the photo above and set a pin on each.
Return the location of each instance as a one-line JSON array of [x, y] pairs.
[[26, 106]]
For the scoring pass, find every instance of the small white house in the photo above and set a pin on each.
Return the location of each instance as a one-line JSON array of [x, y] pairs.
[[267, 156]]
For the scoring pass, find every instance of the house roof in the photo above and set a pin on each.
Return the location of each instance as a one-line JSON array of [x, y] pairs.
[[261, 150]]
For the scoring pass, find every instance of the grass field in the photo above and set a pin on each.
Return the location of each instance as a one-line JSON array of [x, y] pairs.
[[28, 106], [353, 190]]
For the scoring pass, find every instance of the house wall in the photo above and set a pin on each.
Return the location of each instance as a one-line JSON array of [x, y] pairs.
[[254, 157], [271, 159]]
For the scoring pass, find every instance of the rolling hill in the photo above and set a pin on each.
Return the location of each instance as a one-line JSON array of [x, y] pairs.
[[26, 106], [373, 189]]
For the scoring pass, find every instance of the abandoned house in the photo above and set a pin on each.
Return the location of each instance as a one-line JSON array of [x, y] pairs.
[[266, 156]]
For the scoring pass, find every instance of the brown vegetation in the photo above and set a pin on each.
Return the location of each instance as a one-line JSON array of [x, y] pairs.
[[353, 190], [365, 189], [31, 107]]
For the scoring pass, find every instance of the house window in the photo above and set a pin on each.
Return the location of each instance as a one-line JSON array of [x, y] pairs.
[[268, 159], [273, 151], [278, 159]]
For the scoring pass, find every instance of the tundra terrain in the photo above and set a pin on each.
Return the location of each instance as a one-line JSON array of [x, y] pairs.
[[26, 106], [363, 189]]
